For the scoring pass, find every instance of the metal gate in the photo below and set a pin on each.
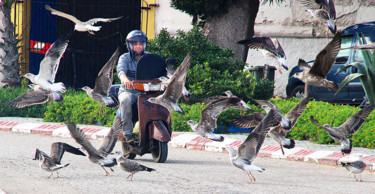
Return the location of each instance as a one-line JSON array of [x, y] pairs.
[[86, 54]]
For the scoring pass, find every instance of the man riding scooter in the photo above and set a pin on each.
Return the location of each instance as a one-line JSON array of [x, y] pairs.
[[136, 42]]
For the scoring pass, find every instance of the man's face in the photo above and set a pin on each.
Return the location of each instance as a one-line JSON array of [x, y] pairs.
[[137, 47]]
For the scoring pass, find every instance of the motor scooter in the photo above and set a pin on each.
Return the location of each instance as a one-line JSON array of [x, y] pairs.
[[154, 120]]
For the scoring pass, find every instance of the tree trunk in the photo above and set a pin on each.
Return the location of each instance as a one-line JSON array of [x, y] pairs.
[[9, 66], [237, 24]]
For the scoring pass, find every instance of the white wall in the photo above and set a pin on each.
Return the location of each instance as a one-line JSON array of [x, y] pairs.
[[171, 18]]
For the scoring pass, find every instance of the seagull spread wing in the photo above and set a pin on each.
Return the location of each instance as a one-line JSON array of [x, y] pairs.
[[50, 63], [354, 122], [29, 98], [250, 120], [325, 59], [58, 149], [215, 108], [95, 20], [251, 146], [264, 43], [62, 14], [177, 82], [294, 114], [104, 80], [81, 139], [109, 141]]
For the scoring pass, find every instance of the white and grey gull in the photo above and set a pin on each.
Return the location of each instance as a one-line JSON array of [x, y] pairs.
[[316, 75], [52, 163], [98, 156], [131, 165], [79, 25], [270, 48], [277, 133], [247, 152], [175, 87], [341, 133], [49, 66], [210, 114], [37, 96], [103, 83]]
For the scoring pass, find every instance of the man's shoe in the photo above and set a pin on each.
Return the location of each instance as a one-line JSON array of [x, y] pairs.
[[131, 138]]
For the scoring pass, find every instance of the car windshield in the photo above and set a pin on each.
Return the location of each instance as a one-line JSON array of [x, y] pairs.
[[358, 57], [346, 41]]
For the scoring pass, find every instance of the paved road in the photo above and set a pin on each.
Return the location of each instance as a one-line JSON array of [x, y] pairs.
[[186, 171]]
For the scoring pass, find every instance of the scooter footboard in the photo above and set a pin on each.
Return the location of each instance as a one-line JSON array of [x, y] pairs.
[[159, 131]]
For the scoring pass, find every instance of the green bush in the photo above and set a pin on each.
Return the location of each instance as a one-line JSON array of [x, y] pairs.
[[79, 108], [10, 93], [213, 70]]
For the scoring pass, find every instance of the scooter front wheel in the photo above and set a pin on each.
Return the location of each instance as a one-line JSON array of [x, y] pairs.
[[160, 151]]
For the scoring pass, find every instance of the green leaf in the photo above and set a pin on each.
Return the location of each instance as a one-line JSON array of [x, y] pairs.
[[348, 79], [344, 68]]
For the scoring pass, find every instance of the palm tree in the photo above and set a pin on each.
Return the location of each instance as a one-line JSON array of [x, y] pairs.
[[366, 72], [9, 65]]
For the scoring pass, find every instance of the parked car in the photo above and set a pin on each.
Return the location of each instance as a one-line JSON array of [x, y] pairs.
[[353, 93]]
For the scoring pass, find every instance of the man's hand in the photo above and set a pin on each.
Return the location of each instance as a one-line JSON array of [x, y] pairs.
[[129, 85]]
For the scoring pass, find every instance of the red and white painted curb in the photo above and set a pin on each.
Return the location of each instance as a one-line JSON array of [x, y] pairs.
[[190, 141]]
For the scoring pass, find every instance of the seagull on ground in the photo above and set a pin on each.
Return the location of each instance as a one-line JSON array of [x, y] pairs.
[[269, 48], [103, 83], [349, 127], [49, 66], [354, 164], [249, 149], [316, 75], [37, 96], [82, 26], [277, 133], [174, 90], [210, 114], [98, 156], [130, 165], [53, 163]]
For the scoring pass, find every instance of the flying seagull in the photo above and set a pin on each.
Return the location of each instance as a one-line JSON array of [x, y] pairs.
[[277, 133], [82, 26], [316, 75], [98, 156], [349, 127], [354, 164], [49, 66], [53, 163], [327, 5], [249, 149], [174, 90], [103, 83], [166, 80], [130, 165], [207, 123], [37, 96], [227, 93], [323, 11], [269, 48]]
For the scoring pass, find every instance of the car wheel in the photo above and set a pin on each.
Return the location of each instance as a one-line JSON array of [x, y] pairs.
[[298, 91]]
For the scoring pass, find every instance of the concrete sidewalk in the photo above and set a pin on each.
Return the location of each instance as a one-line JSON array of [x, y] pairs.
[[304, 150]]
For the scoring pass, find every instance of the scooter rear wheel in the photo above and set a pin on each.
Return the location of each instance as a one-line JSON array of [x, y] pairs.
[[160, 151]]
